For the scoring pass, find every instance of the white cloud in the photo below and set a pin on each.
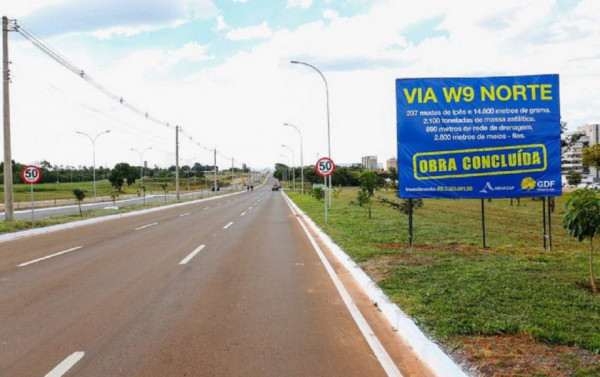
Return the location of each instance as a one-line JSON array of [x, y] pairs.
[[221, 25], [116, 16], [304, 4], [329, 14], [192, 52], [252, 93], [262, 31]]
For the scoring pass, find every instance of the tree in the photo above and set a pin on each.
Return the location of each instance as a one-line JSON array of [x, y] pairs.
[[582, 221], [79, 195], [591, 156], [114, 195], [574, 177], [122, 173], [368, 183]]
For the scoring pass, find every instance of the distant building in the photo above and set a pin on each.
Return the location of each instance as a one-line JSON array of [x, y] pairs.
[[391, 163], [572, 157], [369, 162]]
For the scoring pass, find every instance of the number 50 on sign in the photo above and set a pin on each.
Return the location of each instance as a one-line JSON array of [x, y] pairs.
[[325, 167], [31, 174]]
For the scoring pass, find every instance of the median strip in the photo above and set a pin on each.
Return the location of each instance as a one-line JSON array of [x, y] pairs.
[[49, 256], [192, 254], [146, 226], [66, 364]]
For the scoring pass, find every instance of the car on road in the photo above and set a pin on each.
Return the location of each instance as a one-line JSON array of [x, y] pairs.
[[275, 187]]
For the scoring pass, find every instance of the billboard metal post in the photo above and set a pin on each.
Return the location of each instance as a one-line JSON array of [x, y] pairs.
[[483, 222], [550, 201], [410, 223], [544, 235]]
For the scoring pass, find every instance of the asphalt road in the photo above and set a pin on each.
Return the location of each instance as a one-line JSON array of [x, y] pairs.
[[40, 213], [227, 287]]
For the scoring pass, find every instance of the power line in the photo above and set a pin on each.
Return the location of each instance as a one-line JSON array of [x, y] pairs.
[[37, 42]]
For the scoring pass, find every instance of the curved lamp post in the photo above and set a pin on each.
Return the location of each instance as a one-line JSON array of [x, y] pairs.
[[293, 167], [93, 140], [141, 162], [328, 127], [301, 153]]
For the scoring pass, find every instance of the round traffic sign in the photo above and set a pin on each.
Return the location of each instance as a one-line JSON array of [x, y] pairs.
[[31, 174], [325, 167]]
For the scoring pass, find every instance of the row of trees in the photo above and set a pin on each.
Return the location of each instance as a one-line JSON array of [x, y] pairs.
[[342, 176], [65, 173]]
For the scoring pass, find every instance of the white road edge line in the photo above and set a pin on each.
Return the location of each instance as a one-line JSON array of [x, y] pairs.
[[145, 226], [428, 351], [185, 214], [243, 213], [382, 356], [66, 364], [228, 225], [49, 256], [192, 254]]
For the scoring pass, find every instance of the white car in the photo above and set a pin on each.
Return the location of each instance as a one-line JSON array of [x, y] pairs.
[[594, 186]]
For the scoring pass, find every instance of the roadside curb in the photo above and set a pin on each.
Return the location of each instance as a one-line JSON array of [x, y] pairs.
[[75, 224], [428, 351]]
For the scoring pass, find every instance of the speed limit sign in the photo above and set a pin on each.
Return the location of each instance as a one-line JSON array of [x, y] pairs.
[[325, 167], [31, 174]]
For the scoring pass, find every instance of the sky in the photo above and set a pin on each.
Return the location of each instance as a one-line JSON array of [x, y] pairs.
[[220, 69]]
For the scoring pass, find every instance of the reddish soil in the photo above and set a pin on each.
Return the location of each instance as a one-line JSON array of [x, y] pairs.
[[521, 355]]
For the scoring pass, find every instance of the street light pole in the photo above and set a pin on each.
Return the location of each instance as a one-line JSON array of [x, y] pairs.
[[293, 167], [93, 140], [287, 170], [141, 162], [328, 127], [301, 153]]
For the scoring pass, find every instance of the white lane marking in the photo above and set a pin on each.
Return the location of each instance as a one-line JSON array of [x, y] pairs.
[[219, 204], [192, 254], [49, 256], [205, 208], [66, 364], [382, 356], [250, 207], [145, 226], [243, 213], [185, 214], [228, 225]]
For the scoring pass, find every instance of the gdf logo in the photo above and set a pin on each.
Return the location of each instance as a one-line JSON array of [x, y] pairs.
[[528, 183], [545, 184]]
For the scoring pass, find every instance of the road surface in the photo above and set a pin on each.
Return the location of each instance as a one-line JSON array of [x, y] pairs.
[[227, 287], [40, 213]]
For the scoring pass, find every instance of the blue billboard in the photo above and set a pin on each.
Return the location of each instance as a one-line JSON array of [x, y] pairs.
[[485, 137]]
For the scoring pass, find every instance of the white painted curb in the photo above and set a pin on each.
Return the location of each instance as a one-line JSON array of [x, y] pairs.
[[429, 352], [75, 224]]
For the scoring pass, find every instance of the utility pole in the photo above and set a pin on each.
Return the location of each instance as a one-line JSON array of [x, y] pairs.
[[215, 170], [8, 176], [177, 161]]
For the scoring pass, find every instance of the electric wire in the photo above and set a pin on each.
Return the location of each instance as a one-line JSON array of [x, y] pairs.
[[42, 46]]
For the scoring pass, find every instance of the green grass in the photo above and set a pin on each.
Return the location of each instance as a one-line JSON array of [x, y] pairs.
[[18, 225], [452, 287], [64, 190]]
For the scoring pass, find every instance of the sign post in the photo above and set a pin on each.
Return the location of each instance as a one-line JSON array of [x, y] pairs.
[[31, 175], [325, 168], [479, 137]]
